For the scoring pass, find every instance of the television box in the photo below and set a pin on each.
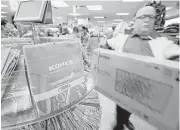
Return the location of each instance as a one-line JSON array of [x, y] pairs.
[[144, 86]]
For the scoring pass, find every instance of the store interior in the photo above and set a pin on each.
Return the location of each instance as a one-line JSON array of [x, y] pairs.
[[25, 105], [100, 14]]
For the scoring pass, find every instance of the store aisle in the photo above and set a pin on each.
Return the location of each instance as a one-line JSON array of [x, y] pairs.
[[108, 116]]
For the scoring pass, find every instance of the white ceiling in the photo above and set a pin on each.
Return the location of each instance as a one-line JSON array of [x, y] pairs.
[[110, 8]]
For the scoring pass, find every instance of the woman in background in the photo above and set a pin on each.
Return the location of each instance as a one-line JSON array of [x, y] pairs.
[[76, 32], [86, 62], [85, 37]]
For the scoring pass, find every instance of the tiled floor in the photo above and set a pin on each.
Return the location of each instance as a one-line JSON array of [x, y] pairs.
[[108, 116]]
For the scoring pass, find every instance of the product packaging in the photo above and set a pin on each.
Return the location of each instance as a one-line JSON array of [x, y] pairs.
[[56, 75], [145, 86], [16, 104]]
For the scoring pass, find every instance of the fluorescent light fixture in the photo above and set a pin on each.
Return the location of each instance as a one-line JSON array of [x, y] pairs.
[[115, 23], [133, 0], [59, 17], [3, 6], [117, 20], [2, 12], [168, 8], [100, 21], [76, 14], [58, 3], [2, 16], [94, 7], [99, 17], [122, 13]]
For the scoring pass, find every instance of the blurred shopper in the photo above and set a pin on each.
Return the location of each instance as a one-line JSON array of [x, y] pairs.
[[50, 33], [140, 42], [60, 29], [85, 36], [65, 31], [76, 32], [87, 63]]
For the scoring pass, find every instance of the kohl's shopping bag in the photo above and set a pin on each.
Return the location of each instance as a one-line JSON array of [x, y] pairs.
[[4, 56], [56, 75], [16, 104], [9, 60]]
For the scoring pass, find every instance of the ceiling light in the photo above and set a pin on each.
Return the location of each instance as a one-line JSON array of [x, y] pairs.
[[76, 14], [133, 0], [168, 8], [117, 20], [99, 17], [57, 3], [122, 13], [3, 6], [59, 17], [2, 12], [2, 16], [100, 21], [115, 23], [94, 7]]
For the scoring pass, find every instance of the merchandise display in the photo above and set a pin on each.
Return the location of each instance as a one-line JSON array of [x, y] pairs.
[[16, 102], [80, 117], [28, 106], [9, 31], [47, 30], [96, 65], [57, 75], [173, 28], [9, 62]]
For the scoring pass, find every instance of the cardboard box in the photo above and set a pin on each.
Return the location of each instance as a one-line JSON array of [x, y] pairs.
[[145, 86]]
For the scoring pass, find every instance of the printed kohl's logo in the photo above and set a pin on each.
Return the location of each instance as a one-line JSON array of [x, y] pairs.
[[60, 65]]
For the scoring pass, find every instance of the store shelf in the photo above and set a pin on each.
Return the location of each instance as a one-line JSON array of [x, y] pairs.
[[172, 34]]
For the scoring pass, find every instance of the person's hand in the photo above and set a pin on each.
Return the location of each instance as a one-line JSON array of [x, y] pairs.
[[171, 51], [162, 47], [125, 128]]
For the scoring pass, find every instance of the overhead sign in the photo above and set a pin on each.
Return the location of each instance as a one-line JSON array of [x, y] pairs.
[[34, 11]]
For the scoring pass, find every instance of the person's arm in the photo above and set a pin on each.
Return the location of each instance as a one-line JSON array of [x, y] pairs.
[[164, 48], [171, 52], [117, 43], [106, 46]]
